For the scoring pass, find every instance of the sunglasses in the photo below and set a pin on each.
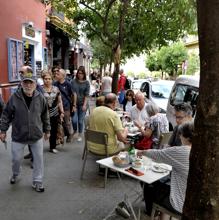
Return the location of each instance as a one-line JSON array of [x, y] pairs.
[[128, 94]]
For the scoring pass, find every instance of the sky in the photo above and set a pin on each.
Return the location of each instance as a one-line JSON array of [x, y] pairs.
[[135, 65]]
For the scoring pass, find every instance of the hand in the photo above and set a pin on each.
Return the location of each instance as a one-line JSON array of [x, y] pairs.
[[140, 153], [74, 109], [137, 124], [84, 108], [46, 136], [3, 137]]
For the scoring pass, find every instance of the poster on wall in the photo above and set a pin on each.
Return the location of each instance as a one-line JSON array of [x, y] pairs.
[[15, 59]]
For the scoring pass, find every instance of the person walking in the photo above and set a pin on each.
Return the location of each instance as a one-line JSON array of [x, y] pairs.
[[106, 84], [82, 88], [56, 111], [68, 100], [27, 111]]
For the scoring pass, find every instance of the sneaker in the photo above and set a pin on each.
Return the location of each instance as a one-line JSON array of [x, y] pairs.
[[13, 179], [79, 138], [53, 151], [122, 212], [38, 187]]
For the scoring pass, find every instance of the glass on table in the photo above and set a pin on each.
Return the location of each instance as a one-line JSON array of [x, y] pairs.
[[147, 162]]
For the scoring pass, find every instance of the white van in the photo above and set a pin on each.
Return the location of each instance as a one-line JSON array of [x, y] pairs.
[[185, 89]]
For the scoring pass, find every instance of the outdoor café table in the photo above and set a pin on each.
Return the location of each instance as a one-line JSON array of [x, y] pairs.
[[149, 176]]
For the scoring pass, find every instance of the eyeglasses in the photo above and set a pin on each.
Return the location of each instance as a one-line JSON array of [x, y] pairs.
[[180, 117], [128, 94]]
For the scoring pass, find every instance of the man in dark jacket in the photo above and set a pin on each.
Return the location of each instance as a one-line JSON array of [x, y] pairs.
[[27, 111]]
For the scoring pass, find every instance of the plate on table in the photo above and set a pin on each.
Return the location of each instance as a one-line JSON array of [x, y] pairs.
[[160, 168]]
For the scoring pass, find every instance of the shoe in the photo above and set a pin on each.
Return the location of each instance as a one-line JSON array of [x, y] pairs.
[[38, 187], [53, 151], [124, 205], [79, 138], [122, 211], [68, 140], [28, 156], [13, 179]]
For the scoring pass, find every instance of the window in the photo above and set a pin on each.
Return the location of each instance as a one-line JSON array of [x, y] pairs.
[[184, 93], [45, 58], [15, 59]]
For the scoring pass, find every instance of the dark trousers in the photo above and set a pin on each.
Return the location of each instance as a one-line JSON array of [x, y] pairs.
[[157, 192], [53, 132]]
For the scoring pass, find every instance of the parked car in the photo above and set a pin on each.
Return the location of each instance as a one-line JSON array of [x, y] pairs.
[[158, 92], [136, 84], [185, 89]]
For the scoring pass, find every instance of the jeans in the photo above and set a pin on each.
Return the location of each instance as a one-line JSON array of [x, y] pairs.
[[78, 119], [17, 150]]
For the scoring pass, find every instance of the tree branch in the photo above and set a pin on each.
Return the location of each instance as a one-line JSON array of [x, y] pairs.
[[92, 9], [99, 34], [106, 16]]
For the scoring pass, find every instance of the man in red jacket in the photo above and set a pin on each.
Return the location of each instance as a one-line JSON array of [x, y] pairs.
[[122, 80]]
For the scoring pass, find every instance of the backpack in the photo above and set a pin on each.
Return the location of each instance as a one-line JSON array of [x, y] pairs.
[[127, 84]]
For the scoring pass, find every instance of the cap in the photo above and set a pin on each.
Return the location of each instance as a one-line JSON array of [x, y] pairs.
[[28, 76], [67, 72]]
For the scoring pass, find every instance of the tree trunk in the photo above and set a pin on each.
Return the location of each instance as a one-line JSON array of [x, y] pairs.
[[118, 48], [202, 196], [117, 54]]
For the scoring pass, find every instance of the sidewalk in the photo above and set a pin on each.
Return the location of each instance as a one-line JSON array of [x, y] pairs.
[[66, 197]]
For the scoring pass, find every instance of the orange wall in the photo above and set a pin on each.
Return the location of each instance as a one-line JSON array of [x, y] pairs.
[[13, 14]]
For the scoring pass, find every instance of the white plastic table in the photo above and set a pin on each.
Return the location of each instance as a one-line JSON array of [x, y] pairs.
[[148, 177]]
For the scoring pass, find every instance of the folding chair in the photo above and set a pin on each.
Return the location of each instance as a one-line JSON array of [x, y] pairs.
[[164, 138], [160, 208], [95, 137]]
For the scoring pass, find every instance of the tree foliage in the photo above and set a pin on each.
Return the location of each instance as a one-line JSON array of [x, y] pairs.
[[130, 27], [167, 59]]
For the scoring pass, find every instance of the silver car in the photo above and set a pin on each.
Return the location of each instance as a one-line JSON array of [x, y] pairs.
[[158, 92]]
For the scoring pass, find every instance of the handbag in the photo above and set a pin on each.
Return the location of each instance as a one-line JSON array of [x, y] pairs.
[[144, 144], [60, 133]]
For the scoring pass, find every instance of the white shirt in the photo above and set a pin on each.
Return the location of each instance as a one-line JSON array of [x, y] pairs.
[[128, 106], [139, 115], [107, 84]]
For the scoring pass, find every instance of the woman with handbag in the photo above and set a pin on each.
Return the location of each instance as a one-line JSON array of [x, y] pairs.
[[153, 129], [56, 111]]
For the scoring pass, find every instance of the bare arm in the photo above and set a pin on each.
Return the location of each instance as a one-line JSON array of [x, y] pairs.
[[122, 135]]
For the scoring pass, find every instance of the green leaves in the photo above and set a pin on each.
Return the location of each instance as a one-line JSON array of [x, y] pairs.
[[135, 25], [167, 59]]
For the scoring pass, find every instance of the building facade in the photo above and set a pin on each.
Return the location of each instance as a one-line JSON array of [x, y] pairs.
[[32, 34], [22, 40]]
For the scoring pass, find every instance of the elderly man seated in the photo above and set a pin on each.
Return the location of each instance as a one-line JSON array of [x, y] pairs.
[[183, 113], [104, 118], [138, 111]]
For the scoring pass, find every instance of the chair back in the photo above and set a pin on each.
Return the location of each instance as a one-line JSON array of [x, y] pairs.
[[96, 137], [164, 138]]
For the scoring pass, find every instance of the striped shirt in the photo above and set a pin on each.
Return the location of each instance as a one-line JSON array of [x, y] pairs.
[[178, 158]]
